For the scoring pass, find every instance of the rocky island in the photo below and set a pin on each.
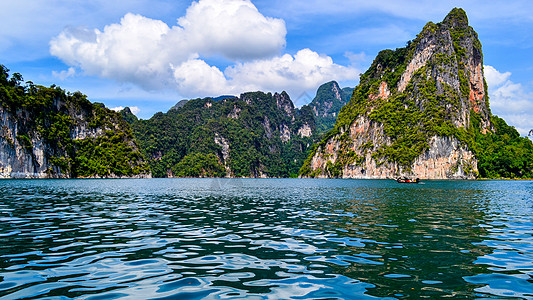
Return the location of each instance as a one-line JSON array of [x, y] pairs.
[[422, 111], [50, 133]]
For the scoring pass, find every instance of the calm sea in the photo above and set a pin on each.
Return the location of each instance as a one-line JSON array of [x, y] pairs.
[[265, 239]]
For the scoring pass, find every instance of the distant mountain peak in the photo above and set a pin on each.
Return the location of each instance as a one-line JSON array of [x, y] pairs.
[[222, 97], [329, 100], [128, 116]]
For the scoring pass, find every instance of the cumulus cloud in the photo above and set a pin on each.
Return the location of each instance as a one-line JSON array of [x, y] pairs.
[[233, 28], [509, 100], [132, 51], [495, 78], [294, 74], [196, 77], [134, 109], [154, 56], [142, 50]]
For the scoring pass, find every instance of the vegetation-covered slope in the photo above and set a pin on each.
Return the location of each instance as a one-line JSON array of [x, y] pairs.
[[423, 111], [47, 132], [254, 135]]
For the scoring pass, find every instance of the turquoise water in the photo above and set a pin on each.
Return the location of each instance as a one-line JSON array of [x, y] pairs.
[[265, 239]]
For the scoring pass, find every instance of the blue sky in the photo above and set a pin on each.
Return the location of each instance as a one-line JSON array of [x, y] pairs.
[[149, 54]]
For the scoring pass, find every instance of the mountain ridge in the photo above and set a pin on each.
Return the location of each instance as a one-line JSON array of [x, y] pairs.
[[254, 135]]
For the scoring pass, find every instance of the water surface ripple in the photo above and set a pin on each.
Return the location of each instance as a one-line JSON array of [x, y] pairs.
[[265, 239]]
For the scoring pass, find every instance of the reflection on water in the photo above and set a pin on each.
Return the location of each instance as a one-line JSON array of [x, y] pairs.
[[265, 239]]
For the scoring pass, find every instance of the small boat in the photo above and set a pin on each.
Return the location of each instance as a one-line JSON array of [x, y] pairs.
[[407, 180]]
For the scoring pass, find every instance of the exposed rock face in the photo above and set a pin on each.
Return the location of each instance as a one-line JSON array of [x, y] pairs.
[[383, 92], [221, 141], [234, 113], [421, 57], [410, 112], [17, 160], [179, 105], [328, 95], [445, 158], [283, 101], [305, 131], [285, 133], [268, 129]]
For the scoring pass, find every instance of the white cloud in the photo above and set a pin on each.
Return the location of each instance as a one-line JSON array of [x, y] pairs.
[[134, 109], [195, 77], [30, 24], [132, 51], [141, 50], [154, 56], [509, 100], [62, 75], [295, 74], [233, 28], [495, 78]]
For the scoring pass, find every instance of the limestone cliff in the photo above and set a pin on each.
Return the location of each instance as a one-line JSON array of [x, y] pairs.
[[412, 111], [48, 133]]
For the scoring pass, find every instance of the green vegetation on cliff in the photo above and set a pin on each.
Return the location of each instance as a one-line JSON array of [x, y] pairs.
[[79, 138]]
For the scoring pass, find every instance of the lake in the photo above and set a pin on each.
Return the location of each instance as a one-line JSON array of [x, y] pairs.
[[265, 239]]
